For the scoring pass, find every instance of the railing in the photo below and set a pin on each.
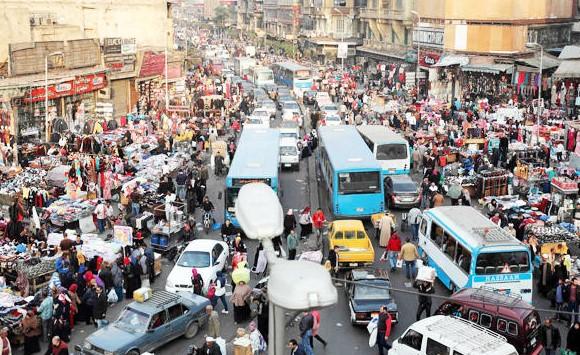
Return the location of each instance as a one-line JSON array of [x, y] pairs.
[[387, 14]]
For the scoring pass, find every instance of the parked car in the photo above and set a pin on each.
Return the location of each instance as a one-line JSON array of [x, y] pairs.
[[309, 97], [406, 192], [145, 326], [364, 300], [206, 255], [355, 247]]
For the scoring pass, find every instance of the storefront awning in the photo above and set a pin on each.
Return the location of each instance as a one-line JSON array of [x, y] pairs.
[[450, 59], [570, 52], [568, 69], [548, 61], [488, 68]]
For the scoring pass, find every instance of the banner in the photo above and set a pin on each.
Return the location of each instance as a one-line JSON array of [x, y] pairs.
[[342, 50], [123, 235], [80, 85]]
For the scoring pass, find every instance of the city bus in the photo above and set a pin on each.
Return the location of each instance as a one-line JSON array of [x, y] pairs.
[[468, 250], [256, 160], [388, 147], [350, 174], [261, 76], [295, 76]]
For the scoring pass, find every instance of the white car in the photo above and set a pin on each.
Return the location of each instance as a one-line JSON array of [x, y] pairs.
[[289, 154], [206, 256], [268, 105], [331, 120], [329, 109], [292, 115], [261, 112]]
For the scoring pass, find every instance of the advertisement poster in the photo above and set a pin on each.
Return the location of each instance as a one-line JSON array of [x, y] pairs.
[[123, 235]]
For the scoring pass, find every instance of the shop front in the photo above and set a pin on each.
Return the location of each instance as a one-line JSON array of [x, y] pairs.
[[487, 80]]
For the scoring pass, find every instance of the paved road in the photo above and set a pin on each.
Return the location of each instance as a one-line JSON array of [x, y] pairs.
[[298, 189]]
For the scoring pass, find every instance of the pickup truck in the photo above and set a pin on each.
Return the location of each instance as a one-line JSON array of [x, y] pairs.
[[355, 247]]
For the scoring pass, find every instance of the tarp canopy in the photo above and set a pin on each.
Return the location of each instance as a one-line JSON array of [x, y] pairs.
[[570, 52], [488, 68], [568, 69], [548, 61]]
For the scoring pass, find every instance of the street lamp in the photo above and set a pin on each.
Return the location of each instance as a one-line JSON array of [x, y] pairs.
[[342, 35], [416, 27], [537, 45], [294, 285], [46, 121]]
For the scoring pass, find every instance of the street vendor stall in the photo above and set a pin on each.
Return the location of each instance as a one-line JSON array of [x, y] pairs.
[[564, 198]]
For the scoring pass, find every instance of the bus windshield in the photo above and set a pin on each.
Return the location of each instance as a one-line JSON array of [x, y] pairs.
[[503, 263], [231, 197], [359, 183], [391, 151], [265, 76]]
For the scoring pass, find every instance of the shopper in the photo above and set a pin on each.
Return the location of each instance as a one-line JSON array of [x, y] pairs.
[[292, 243], [305, 221], [5, 348], [549, 337], [32, 330], [392, 251], [409, 255], [318, 220], [213, 322], [305, 326], [384, 330], [100, 308], [57, 347], [45, 311], [414, 218]]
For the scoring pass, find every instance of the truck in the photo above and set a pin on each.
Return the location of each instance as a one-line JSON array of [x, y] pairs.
[[242, 65]]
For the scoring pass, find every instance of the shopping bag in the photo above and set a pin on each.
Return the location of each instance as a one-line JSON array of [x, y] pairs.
[[372, 329], [112, 297], [400, 263]]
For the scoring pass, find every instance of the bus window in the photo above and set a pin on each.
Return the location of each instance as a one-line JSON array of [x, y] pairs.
[[504, 262], [436, 348], [391, 151], [464, 260], [437, 234], [359, 183], [449, 246], [424, 227], [485, 320]]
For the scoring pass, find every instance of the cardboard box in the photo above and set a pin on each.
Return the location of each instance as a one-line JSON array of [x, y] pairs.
[[142, 294]]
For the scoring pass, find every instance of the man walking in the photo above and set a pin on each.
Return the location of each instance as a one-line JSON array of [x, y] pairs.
[[549, 337], [409, 255], [318, 220], [425, 288], [100, 308], [305, 326], [45, 310], [213, 322], [384, 330], [414, 217], [292, 242]]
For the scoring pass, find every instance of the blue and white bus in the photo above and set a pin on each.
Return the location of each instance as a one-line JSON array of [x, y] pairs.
[[295, 76], [468, 250], [350, 174], [256, 160], [388, 147]]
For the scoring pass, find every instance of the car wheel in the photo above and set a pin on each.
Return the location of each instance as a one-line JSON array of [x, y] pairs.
[[191, 330], [134, 352]]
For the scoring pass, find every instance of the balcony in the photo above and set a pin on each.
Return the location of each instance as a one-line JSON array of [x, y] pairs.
[[383, 14]]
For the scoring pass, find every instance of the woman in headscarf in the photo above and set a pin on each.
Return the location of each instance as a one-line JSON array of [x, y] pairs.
[[196, 282], [257, 340], [61, 316], [75, 302], [133, 277], [305, 220], [240, 301], [31, 329]]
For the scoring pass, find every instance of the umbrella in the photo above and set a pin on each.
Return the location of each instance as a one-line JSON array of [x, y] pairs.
[[454, 191]]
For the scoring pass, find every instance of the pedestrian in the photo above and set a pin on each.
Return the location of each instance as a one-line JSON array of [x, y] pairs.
[[61, 317], [561, 297], [414, 218], [392, 251], [101, 213], [100, 307], [292, 244], [333, 260], [213, 322], [196, 282], [117, 272], [573, 338], [425, 288], [210, 347], [289, 222], [305, 327], [409, 255], [384, 330], [316, 329], [220, 292], [318, 220], [107, 276], [295, 348], [180, 185], [75, 303], [549, 337], [388, 188], [5, 348], [437, 199], [45, 311], [259, 346], [305, 221], [57, 347], [239, 299], [386, 224], [32, 330]]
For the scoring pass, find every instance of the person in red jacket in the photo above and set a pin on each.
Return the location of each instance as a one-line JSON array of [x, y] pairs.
[[392, 250], [318, 220], [384, 330]]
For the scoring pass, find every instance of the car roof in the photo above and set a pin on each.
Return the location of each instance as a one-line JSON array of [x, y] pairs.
[[401, 178], [509, 306], [285, 141], [369, 274], [348, 223], [160, 299], [201, 245]]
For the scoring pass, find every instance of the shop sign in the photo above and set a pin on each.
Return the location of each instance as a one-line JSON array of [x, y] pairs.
[[129, 46], [153, 64], [112, 45], [427, 59], [428, 36], [80, 85]]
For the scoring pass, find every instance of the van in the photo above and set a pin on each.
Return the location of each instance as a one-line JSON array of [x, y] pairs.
[[289, 129], [507, 315], [289, 154], [451, 336]]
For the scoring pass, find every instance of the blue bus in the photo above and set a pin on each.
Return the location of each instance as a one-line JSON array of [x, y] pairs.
[[295, 76], [350, 173], [256, 160], [389, 148], [468, 250]]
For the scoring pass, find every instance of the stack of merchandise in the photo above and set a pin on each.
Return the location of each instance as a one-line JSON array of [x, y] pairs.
[[65, 210]]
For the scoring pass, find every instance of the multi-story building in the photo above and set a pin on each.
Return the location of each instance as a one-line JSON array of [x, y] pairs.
[[477, 39], [330, 26], [281, 18]]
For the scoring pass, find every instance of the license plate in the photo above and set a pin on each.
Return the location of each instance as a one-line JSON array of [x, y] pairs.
[[287, 165], [353, 264]]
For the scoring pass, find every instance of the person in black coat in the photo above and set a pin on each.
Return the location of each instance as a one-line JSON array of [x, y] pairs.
[[100, 308], [289, 222], [550, 344], [573, 338]]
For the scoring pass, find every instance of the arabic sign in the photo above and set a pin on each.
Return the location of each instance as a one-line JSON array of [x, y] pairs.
[[429, 36], [153, 64], [428, 58], [112, 45], [80, 85]]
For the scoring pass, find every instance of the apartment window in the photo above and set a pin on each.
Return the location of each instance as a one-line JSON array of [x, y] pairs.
[[340, 25]]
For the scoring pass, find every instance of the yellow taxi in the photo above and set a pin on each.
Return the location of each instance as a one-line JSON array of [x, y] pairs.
[[355, 247]]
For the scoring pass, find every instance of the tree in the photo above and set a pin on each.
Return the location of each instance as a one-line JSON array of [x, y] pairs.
[[221, 13]]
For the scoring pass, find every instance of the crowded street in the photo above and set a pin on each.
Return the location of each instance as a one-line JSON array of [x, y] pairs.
[[220, 186]]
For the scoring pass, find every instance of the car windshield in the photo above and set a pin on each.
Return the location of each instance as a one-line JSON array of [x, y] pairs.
[[291, 106], [133, 320], [366, 291], [329, 108], [359, 183], [195, 259], [503, 263], [391, 151], [288, 135], [260, 113], [404, 186], [288, 150]]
